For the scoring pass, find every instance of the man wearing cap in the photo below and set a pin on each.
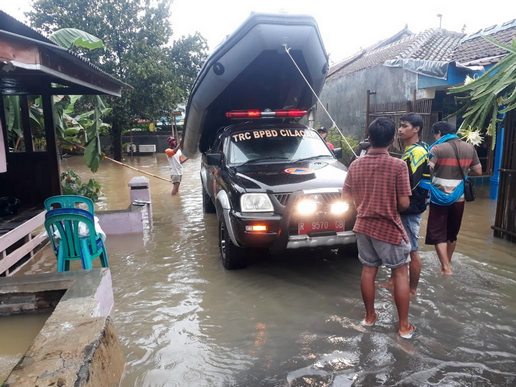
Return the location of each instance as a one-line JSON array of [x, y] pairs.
[[323, 132], [175, 160]]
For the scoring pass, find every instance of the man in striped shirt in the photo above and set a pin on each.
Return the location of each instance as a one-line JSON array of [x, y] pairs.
[[447, 158]]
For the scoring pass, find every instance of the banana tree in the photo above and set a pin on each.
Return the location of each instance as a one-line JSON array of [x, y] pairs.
[[13, 121], [80, 130], [84, 128], [489, 97]]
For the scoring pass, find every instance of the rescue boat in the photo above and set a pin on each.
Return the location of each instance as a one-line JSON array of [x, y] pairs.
[[252, 69]]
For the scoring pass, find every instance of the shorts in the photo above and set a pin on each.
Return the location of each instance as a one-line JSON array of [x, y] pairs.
[[176, 178], [444, 223], [412, 224], [373, 252]]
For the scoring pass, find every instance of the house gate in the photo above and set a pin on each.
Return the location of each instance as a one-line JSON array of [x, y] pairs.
[[395, 110], [505, 219]]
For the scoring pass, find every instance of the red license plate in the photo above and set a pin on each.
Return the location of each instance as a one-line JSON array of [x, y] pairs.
[[314, 226]]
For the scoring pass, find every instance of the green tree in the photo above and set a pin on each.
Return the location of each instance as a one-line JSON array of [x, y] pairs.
[[137, 36]]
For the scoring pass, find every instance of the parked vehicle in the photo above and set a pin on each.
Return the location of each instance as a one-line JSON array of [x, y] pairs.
[[274, 184], [272, 181]]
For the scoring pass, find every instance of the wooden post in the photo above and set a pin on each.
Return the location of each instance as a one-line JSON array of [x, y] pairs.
[[25, 121], [368, 109], [50, 135]]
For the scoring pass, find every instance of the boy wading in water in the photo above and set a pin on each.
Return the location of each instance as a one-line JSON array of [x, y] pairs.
[[380, 188], [175, 160]]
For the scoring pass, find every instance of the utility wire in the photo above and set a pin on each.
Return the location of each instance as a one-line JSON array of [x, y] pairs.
[[287, 50]]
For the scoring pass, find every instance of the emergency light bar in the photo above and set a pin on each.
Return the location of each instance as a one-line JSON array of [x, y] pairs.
[[255, 113]]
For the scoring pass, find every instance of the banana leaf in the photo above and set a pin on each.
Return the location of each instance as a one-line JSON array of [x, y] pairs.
[[68, 37], [491, 95]]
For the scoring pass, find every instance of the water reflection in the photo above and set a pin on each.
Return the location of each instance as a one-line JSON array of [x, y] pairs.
[[293, 319]]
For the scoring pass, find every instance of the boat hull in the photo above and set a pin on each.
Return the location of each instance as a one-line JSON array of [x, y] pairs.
[[252, 70]]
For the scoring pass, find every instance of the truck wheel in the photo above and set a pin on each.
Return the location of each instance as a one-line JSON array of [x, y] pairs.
[[232, 256], [207, 204]]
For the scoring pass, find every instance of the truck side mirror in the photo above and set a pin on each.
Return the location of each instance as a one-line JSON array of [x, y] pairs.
[[214, 159], [338, 153]]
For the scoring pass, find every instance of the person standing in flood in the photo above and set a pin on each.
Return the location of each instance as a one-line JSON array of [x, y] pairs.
[[416, 157], [175, 160], [448, 155], [323, 132], [379, 186]]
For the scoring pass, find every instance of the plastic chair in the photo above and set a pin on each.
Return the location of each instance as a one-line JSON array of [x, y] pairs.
[[68, 201], [67, 242]]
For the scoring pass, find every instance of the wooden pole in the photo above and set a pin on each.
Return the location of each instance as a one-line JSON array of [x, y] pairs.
[[135, 169], [129, 166]]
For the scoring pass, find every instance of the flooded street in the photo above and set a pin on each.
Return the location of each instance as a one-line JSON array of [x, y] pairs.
[[293, 320]]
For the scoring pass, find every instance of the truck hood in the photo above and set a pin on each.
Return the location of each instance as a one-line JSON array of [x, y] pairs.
[[290, 177]]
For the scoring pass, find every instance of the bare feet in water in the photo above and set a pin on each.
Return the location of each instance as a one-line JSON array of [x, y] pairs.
[[369, 321], [447, 271]]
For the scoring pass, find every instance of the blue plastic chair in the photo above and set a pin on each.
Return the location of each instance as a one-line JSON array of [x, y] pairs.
[[68, 201], [68, 244]]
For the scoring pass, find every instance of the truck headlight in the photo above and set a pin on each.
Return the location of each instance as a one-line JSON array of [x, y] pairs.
[[255, 202], [306, 207], [339, 207]]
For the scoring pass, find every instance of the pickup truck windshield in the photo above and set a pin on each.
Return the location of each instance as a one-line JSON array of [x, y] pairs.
[[272, 145]]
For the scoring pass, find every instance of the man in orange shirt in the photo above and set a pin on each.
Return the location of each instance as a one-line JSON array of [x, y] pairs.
[[175, 160]]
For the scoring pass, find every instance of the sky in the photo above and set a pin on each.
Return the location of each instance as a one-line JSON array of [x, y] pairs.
[[345, 26]]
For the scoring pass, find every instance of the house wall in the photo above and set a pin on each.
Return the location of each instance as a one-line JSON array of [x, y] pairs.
[[455, 77], [345, 96], [160, 140]]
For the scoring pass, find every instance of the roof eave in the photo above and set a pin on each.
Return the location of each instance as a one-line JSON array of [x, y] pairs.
[[55, 61]]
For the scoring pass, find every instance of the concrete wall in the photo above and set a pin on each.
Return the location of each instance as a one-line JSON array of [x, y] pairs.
[[160, 140], [345, 96], [77, 345]]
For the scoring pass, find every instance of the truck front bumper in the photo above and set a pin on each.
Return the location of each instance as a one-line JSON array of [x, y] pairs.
[[277, 235]]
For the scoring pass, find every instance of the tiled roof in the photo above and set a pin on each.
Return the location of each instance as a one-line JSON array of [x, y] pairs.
[[474, 47], [433, 44]]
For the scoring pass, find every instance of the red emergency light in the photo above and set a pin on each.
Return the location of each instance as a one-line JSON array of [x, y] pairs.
[[255, 113]]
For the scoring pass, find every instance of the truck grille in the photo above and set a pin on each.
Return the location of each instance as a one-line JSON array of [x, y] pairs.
[[325, 197], [282, 198]]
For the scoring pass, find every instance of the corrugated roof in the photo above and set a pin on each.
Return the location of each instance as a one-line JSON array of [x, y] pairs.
[[474, 48], [433, 44]]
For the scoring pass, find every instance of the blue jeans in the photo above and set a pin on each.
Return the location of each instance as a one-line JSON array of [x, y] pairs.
[[412, 223]]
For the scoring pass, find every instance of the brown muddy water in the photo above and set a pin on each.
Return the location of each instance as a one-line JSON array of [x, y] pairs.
[[292, 320], [16, 335]]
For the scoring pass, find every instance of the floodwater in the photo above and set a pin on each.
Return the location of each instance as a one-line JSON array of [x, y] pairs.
[[16, 335], [292, 320]]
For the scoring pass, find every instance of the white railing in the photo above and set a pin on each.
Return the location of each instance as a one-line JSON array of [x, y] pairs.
[[32, 238]]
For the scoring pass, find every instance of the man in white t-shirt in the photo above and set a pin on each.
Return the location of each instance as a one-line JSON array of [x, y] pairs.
[[175, 160]]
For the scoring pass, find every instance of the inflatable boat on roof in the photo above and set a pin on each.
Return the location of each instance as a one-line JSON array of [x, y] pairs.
[[252, 70]]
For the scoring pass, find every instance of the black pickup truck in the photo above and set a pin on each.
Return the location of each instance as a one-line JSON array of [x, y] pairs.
[[276, 185]]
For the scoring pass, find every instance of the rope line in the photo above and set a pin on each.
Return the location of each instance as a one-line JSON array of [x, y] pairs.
[[134, 168], [287, 50], [103, 155]]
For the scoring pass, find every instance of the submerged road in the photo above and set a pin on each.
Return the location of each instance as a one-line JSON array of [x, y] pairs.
[[293, 319]]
